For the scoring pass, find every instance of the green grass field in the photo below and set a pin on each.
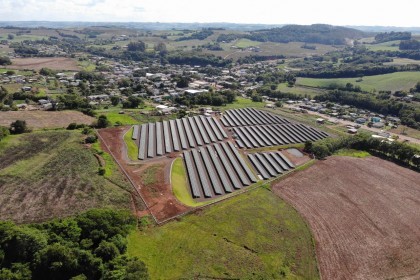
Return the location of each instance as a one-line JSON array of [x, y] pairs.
[[393, 81], [386, 46], [241, 103], [132, 149], [115, 117], [246, 43], [299, 90], [48, 174], [255, 235], [352, 153]]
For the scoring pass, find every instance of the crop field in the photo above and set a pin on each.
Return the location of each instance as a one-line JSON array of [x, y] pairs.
[[45, 119], [365, 226], [36, 63], [50, 174], [252, 236], [392, 82]]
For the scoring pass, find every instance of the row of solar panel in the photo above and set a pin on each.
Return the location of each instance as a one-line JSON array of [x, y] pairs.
[[273, 135], [216, 170], [250, 116], [270, 164], [157, 139]]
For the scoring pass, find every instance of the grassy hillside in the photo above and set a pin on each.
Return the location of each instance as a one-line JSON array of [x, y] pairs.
[[393, 81], [252, 236], [49, 174]]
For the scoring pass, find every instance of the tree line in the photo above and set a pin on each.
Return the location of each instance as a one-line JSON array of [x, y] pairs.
[[91, 245], [394, 151]]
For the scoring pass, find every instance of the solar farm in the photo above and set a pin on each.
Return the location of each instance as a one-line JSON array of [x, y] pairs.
[[214, 165]]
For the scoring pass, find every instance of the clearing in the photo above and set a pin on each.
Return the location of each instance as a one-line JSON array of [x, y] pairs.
[[393, 82], [252, 236], [50, 174], [36, 63], [45, 119], [365, 226]]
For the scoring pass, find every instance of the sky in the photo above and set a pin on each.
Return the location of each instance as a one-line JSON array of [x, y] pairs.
[[404, 13]]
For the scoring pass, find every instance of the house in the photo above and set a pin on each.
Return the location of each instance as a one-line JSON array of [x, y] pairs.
[[320, 120], [360, 120], [269, 105], [378, 125]]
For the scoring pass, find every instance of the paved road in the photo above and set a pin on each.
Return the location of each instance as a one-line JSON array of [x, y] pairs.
[[344, 122]]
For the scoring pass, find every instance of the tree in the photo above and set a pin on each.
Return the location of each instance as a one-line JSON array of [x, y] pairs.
[[4, 60], [115, 100], [46, 72], [132, 102], [161, 48], [279, 104], [18, 127], [183, 82], [107, 251], [102, 121], [136, 46], [10, 36]]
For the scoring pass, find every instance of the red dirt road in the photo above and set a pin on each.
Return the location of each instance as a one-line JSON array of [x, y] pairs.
[[364, 214], [159, 198]]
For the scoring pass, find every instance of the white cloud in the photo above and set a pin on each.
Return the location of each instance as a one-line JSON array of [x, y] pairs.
[[356, 12]]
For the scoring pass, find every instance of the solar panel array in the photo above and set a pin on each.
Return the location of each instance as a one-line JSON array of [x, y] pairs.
[[255, 128], [216, 169], [250, 116], [275, 134], [157, 139], [270, 164]]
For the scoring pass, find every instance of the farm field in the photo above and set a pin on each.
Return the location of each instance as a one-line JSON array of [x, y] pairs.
[[45, 175], [365, 226], [393, 81], [252, 236], [45, 119], [36, 63]]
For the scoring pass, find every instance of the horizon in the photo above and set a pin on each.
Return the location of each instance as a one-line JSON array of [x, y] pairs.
[[301, 12]]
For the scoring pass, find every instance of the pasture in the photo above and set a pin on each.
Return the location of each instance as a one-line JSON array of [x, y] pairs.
[[300, 90], [50, 174], [393, 82], [252, 236], [365, 226], [386, 46]]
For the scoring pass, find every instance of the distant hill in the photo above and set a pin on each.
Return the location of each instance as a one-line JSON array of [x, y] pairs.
[[316, 33]]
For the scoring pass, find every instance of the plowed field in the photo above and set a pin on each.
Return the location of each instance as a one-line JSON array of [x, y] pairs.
[[364, 214]]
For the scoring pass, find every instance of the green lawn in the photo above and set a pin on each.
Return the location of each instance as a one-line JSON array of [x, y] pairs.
[[255, 235], [132, 149], [394, 81]]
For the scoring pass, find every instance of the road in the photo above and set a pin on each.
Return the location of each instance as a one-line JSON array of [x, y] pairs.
[[372, 129]]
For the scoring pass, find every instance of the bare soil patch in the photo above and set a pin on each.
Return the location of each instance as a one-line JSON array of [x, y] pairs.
[[45, 119], [159, 197], [36, 63], [364, 214]]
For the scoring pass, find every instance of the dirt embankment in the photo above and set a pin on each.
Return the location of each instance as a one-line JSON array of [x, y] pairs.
[[158, 196]]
